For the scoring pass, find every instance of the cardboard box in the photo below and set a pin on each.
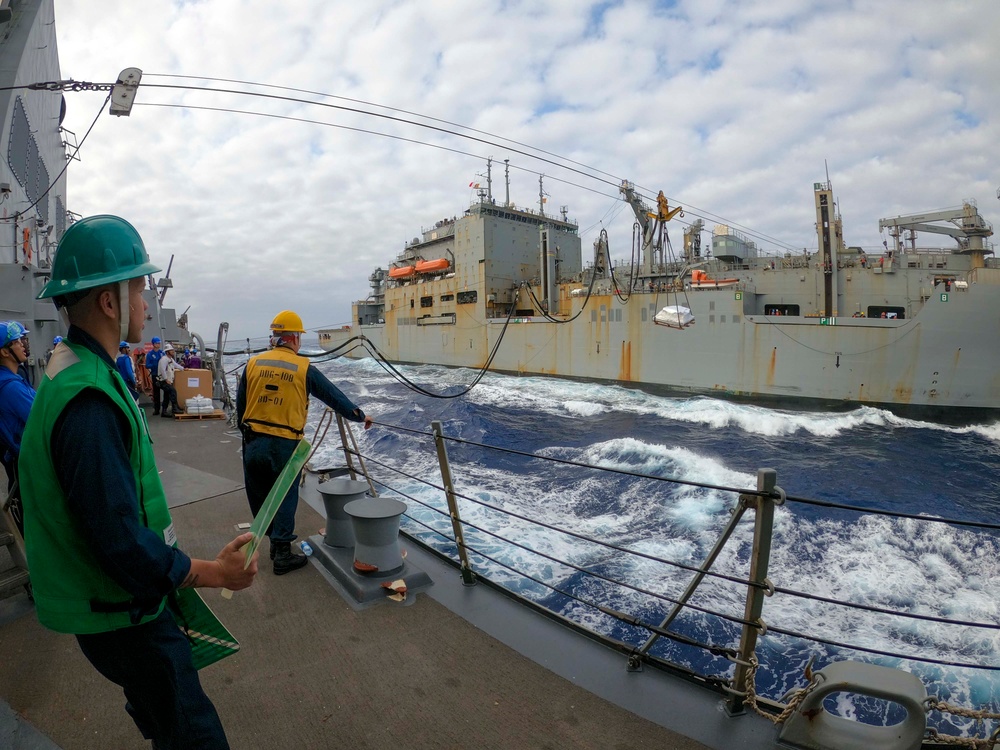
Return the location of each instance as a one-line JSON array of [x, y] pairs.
[[192, 383]]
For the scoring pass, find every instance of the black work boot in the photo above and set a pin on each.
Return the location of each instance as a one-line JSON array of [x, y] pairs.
[[285, 561]]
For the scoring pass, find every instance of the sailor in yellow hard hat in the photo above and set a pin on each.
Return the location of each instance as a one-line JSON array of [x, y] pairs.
[[271, 405]]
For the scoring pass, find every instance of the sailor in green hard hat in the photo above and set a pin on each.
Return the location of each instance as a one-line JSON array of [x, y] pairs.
[[101, 546]]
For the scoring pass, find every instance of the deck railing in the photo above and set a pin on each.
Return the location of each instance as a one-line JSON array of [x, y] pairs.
[[469, 546]]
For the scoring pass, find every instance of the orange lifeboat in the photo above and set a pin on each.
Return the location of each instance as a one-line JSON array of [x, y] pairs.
[[402, 272], [433, 266], [700, 280]]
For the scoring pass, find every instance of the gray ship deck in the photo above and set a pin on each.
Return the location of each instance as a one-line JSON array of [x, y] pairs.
[[316, 673]]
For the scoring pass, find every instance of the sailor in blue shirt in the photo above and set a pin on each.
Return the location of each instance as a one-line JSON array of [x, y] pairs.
[[16, 397], [153, 365], [124, 365]]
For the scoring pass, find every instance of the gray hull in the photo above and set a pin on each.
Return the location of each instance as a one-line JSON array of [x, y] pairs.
[[916, 331], [941, 363]]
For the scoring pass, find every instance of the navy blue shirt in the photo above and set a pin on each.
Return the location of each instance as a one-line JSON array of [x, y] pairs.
[[153, 357], [90, 447], [16, 397], [124, 365]]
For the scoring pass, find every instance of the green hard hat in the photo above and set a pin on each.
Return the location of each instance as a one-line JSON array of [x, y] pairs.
[[97, 250]]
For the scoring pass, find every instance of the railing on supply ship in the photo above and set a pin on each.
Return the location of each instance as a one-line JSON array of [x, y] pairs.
[[739, 689]]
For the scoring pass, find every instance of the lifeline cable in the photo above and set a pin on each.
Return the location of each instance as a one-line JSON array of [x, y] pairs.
[[893, 513], [782, 631], [630, 619], [721, 488], [771, 628], [577, 535], [878, 652], [884, 611]]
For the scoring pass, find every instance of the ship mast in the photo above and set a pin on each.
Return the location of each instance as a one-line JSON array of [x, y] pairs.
[[489, 179], [830, 232], [692, 241], [506, 179]]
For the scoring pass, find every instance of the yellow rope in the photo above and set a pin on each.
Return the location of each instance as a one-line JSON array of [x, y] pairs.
[[935, 705], [978, 743], [790, 707]]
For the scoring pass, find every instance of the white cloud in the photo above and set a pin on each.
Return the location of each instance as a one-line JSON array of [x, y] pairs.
[[728, 106]]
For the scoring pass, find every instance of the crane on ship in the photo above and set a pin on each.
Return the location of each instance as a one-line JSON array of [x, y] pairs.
[[653, 226], [655, 243], [964, 224]]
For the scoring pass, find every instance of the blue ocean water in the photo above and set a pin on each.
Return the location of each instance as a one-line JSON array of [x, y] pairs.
[[864, 457]]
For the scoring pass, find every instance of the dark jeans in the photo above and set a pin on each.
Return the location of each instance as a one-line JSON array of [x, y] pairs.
[[14, 496], [156, 394], [264, 456], [169, 396], [152, 663]]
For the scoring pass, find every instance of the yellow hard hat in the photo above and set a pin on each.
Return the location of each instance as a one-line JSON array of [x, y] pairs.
[[287, 322]]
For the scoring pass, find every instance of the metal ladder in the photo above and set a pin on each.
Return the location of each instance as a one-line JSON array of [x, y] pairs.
[[16, 575]]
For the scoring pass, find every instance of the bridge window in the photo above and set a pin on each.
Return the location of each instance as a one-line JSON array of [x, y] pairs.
[[467, 298], [427, 301]]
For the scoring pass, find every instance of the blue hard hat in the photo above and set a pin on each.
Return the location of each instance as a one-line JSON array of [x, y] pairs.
[[156, 340], [11, 330], [123, 345], [57, 340]]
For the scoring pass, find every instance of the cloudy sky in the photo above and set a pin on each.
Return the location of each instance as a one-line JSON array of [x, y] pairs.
[[733, 108]]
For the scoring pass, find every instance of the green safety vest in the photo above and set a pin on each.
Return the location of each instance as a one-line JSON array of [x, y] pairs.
[[72, 594]]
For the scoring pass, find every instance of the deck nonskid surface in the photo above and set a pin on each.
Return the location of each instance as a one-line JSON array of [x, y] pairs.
[[313, 672]]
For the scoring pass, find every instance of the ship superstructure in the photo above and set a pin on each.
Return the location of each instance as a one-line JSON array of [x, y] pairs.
[[911, 328], [34, 212], [33, 144]]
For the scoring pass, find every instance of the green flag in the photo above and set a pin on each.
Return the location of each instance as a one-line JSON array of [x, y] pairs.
[[281, 486], [209, 638]]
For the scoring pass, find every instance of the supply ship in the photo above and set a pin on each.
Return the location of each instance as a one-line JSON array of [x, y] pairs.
[[911, 329]]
